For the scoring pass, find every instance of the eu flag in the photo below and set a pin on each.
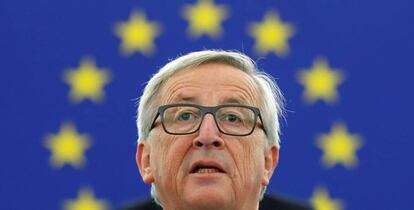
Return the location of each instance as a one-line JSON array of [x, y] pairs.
[[71, 72]]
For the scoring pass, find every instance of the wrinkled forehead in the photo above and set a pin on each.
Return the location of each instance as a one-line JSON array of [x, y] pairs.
[[210, 84]]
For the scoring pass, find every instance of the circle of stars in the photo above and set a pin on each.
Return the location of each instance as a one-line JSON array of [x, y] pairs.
[[205, 18]]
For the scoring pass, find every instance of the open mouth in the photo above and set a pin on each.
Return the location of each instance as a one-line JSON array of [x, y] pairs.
[[203, 170], [206, 167]]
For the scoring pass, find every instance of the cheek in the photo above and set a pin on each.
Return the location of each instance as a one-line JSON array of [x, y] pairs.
[[168, 156], [254, 161], [249, 160]]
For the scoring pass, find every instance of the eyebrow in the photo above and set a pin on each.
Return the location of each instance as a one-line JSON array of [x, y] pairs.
[[185, 99], [232, 100], [226, 100]]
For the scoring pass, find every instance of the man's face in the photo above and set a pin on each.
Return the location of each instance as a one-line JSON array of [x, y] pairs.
[[169, 161]]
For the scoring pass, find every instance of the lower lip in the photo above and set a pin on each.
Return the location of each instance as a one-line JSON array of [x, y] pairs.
[[207, 175]]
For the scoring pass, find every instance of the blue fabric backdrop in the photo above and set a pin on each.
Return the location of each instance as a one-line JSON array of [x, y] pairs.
[[367, 44]]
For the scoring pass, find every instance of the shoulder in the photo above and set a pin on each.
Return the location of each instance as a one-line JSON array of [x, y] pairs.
[[269, 202], [147, 204]]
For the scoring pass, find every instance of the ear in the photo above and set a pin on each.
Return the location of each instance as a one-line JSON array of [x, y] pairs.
[[143, 162], [271, 161]]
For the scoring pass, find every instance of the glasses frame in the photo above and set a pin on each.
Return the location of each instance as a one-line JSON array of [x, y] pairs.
[[208, 110]]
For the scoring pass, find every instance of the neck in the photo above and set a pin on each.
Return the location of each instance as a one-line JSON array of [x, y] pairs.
[[244, 207]]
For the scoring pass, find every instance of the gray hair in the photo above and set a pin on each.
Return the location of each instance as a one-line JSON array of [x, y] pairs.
[[271, 102]]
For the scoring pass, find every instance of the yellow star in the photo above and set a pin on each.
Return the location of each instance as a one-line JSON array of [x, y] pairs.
[[339, 146], [137, 34], [87, 81], [321, 201], [271, 35], [205, 18], [85, 201], [67, 147], [320, 82]]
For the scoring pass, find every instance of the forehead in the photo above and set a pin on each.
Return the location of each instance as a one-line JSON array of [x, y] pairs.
[[210, 84]]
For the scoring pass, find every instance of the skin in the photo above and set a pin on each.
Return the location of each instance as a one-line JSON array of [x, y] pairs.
[[166, 160]]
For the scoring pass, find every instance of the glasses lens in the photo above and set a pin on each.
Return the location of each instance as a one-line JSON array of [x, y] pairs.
[[235, 120], [181, 119]]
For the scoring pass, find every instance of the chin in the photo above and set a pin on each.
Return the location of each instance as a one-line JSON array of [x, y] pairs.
[[209, 197]]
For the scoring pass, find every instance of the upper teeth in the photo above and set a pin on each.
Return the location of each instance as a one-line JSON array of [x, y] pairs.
[[207, 170]]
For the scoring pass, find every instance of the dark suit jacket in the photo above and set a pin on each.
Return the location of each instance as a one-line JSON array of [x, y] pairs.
[[268, 203]]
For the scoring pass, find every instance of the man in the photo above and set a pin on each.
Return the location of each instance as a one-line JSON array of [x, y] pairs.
[[209, 133]]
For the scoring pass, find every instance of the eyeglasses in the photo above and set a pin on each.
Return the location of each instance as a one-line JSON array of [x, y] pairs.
[[231, 119]]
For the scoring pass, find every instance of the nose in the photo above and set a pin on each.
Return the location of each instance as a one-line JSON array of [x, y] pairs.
[[208, 135]]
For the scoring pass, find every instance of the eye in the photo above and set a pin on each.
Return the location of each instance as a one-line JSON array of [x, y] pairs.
[[185, 116], [231, 118]]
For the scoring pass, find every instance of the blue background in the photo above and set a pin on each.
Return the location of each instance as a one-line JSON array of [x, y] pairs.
[[370, 41]]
